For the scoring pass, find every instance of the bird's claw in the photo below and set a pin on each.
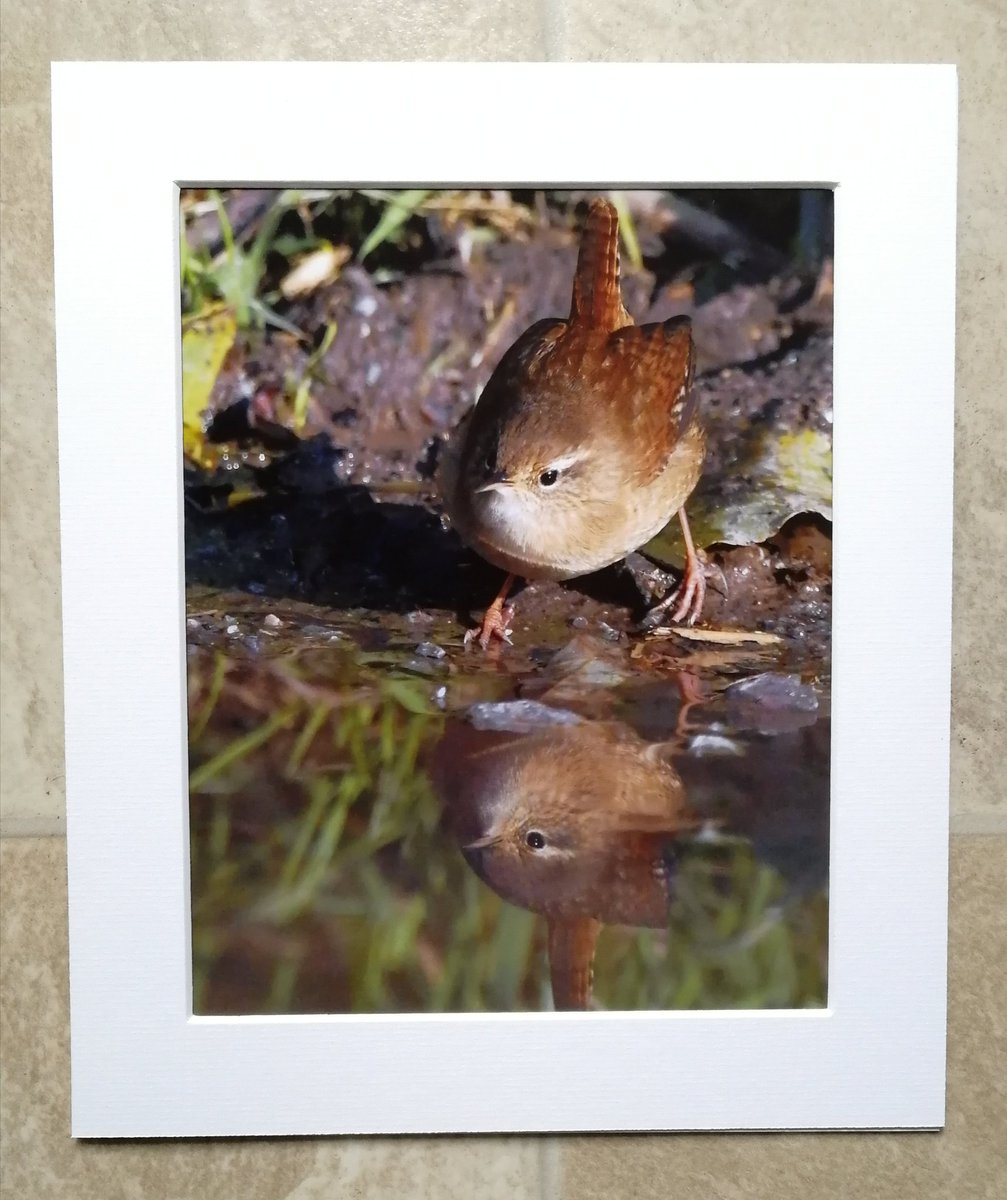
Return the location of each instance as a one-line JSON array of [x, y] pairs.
[[686, 601], [714, 575], [495, 624]]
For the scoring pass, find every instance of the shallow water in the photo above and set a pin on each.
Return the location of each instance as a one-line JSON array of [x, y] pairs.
[[359, 844]]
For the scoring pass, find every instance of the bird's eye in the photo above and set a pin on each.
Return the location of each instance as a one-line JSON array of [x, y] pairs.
[[534, 839], [548, 478]]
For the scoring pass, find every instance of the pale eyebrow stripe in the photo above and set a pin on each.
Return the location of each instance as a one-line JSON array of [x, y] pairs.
[[568, 460]]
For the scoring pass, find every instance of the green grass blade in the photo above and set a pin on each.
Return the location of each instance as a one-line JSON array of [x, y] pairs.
[[397, 212], [241, 747]]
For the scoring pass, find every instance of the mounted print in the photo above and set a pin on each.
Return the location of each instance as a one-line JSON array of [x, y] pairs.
[[413, 787], [524, 553]]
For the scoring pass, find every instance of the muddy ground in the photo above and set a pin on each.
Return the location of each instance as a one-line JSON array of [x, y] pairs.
[[345, 516]]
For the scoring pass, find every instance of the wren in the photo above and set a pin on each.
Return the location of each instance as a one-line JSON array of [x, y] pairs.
[[584, 443]]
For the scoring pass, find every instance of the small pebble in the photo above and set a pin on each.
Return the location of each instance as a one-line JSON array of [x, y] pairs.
[[420, 666], [776, 692], [579, 622], [271, 621], [608, 633], [771, 703], [519, 716], [233, 630], [706, 745], [709, 834], [191, 623], [366, 306], [431, 650]]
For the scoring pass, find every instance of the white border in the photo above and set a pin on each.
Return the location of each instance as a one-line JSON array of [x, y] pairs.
[[124, 136]]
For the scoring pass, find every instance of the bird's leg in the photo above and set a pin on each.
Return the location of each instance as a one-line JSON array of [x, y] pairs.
[[692, 693], [687, 599], [571, 960], [496, 620]]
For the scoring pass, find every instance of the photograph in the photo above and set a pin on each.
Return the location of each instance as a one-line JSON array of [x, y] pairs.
[[508, 597]]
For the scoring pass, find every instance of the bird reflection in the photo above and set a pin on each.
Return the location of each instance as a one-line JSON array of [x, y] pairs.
[[576, 822]]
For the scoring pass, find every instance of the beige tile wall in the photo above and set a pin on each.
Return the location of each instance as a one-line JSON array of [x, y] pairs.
[[39, 1160]]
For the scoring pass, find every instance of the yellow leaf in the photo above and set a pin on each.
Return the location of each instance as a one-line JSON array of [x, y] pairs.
[[206, 339]]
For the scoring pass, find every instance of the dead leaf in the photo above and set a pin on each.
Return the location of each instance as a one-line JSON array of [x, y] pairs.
[[313, 271], [780, 475], [206, 340], [721, 637]]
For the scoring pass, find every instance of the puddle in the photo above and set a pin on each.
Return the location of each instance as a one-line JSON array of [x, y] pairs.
[[385, 820]]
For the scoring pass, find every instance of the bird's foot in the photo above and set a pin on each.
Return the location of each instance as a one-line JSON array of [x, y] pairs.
[[495, 625], [685, 604]]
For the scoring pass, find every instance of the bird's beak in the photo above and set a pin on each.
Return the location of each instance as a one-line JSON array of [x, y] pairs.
[[495, 483], [490, 839]]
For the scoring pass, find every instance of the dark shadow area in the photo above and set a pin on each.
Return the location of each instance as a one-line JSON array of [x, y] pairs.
[[340, 548]]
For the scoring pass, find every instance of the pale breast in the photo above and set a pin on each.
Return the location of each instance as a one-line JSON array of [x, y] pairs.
[[552, 539]]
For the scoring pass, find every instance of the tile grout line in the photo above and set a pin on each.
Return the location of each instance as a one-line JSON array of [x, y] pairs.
[[32, 827], [550, 1158], [979, 825], [554, 23]]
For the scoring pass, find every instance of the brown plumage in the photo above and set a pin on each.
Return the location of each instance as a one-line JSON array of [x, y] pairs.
[[575, 823], [585, 441]]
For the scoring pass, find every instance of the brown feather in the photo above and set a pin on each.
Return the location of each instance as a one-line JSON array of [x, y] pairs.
[[510, 390], [657, 362], [597, 297]]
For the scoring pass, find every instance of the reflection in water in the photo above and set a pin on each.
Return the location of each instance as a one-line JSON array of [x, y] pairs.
[[588, 825], [576, 823], [358, 845]]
